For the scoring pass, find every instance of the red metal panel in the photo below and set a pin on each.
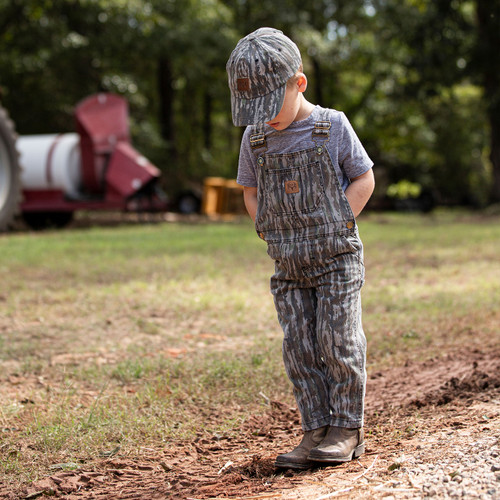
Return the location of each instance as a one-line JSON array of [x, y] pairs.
[[53, 200], [102, 122], [39, 199], [129, 171]]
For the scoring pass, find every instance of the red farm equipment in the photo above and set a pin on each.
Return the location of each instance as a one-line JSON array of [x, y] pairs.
[[46, 178]]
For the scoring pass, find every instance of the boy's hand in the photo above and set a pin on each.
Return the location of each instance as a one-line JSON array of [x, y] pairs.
[[359, 191]]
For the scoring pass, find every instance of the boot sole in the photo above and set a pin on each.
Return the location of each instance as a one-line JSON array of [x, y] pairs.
[[293, 465], [357, 452]]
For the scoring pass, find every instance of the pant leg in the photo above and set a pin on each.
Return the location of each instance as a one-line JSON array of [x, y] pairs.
[[296, 308], [341, 339]]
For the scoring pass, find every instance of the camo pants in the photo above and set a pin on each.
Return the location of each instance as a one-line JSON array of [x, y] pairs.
[[305, 218]]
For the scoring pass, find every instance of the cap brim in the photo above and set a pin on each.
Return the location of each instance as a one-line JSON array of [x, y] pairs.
[[259, 110]]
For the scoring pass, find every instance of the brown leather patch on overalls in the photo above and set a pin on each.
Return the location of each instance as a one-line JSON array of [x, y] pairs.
[[291, 187]]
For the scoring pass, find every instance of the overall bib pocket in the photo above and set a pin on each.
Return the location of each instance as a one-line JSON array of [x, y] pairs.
[[296, 189]]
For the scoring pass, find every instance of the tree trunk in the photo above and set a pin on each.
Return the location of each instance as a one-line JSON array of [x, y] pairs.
[[207, 120], [166, 95], [495, 155], [318, 82], [488, 16]]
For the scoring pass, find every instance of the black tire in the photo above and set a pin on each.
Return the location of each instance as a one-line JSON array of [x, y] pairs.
[[10, 172], [47, 220], [188, 203]]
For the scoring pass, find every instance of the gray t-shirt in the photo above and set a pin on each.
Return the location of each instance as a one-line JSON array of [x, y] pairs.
[[346, 151]]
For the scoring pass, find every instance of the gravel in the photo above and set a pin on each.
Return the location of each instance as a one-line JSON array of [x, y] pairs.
[[466, 468]]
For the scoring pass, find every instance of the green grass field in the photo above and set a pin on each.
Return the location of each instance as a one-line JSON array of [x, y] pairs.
[[113, 339]]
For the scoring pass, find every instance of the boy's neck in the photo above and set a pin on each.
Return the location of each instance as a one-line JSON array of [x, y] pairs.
[[305, 110]]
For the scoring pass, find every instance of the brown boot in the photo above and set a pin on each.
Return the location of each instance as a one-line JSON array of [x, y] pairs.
[[340, 445], [297, 458]]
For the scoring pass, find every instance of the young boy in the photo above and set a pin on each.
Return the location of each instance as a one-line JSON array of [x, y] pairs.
[[306, 177]]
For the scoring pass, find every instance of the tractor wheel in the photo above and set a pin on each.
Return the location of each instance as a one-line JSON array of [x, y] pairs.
[[10, 172]]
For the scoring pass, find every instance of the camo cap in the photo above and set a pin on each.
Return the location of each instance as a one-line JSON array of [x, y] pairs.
[[258, 70]]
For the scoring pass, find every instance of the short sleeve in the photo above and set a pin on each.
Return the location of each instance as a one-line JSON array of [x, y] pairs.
[[353, 158], [246, 165]]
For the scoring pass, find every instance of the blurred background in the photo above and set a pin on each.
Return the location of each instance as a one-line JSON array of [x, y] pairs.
[[418, 79]]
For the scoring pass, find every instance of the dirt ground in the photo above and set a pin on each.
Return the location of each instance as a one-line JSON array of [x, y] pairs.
[[405, 406]]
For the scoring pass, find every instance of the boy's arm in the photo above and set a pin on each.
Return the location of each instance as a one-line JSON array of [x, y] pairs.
[[359, 191], [250, 198]]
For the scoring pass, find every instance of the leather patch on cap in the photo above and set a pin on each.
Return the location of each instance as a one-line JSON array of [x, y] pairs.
[[291, 187], [243, 84]]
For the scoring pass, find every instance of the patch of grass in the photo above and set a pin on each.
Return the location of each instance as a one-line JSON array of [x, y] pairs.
[[116, 338], [432, 282]]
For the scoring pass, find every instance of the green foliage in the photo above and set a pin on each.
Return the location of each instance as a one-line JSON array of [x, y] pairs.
[[417, 78], [404, 189]]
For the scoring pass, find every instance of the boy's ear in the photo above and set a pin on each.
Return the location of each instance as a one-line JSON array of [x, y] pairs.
[[302, 83]]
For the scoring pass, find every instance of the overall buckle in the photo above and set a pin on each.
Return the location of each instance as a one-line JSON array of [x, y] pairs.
[[257, 141]]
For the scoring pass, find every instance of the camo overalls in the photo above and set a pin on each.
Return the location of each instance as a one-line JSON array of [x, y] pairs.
[[308, 225]]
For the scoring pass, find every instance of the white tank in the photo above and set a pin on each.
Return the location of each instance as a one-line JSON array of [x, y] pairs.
[[51, 162]]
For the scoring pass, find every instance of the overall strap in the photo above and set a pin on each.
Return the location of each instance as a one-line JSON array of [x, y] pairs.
[[258, 143], [321, 132]]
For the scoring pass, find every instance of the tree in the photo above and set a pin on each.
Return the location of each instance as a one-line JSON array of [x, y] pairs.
[[451, 46], [486, 62], [166, 57], [419, 79]]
